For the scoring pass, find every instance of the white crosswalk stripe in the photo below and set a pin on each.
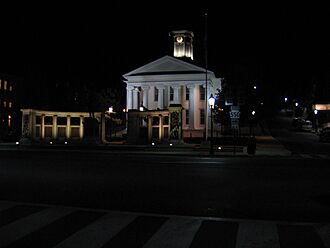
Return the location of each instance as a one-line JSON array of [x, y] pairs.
[[175, 232], [98, 233], [26, 225], [257, 234], [306, 155], [309, 155], [324, 232]]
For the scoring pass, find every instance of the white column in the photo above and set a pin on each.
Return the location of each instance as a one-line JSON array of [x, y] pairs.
[[68, 127], [42, 126], [161, 96], [54, 128], [191, 88], [149, 128], [129, 99], [145, 96], [33, 127], [81, 128], [176, 89], [136, 98], [160, 128]]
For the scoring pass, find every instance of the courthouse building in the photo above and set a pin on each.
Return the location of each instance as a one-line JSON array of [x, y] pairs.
[[167, 98]]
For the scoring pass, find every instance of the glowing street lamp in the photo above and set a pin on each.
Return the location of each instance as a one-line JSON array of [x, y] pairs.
[[211, 103], [111, 109], [285, 99], [316, 120]]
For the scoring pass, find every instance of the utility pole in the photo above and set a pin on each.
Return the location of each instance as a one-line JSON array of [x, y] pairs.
[[206, 98]]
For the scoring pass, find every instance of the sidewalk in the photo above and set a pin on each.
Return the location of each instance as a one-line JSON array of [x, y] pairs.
[[266, 146], [269, 146]]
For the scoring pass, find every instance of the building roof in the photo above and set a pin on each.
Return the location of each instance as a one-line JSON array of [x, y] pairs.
[[166, 65]]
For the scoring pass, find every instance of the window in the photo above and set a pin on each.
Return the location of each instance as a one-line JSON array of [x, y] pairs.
[[5, 85], [166, 120], [10, 105], [75, 121], [0, 83], [187, 93], [187, 116], [171, 94], [155, 121], [9, 120], [61, 121], [4, 104], [10, 88], [156, 95], [48, 120], [202, 117], [38, 119], [202, 92]]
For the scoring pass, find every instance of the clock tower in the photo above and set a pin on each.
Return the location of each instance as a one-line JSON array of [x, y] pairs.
[[183, 43]]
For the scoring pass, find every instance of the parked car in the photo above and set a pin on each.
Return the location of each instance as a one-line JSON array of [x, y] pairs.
[[301, 124], [325, 134]]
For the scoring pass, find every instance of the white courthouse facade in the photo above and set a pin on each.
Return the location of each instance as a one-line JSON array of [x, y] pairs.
[[165, 86]]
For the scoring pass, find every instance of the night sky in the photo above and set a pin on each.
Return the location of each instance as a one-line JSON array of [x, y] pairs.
[[283, 45]]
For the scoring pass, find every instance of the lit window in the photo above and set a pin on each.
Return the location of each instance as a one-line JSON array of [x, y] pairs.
[[10, 105], [9, 120], [10, 88], [4, 104], [5, 85], [202, 117], [202, 92], [171, 94], [187, 93], [0, 83], [156, 95]]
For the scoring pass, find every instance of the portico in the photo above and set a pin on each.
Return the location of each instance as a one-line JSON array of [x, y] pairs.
[[40, 125]]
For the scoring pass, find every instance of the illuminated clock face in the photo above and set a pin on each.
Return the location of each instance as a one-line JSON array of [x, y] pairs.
[[179, 39]]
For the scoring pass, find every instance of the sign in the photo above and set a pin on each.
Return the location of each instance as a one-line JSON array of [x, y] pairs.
[[234, 114], [235, 123]]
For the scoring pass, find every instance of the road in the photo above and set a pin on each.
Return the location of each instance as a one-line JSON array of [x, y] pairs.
[[299, 142], [287, 188]]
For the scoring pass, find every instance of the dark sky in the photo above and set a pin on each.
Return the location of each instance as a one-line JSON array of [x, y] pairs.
[[100, 43]]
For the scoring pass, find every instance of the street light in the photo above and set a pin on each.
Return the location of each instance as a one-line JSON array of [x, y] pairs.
[[316, 120], [211, 103]]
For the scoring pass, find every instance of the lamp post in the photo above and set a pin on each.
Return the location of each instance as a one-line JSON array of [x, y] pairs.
[[211, 103], [110, 126], [316, 120]]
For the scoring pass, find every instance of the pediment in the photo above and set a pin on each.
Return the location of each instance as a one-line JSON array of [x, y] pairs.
[[165, 66]]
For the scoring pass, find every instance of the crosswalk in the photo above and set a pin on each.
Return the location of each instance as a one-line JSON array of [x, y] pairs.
[[35, 225]]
